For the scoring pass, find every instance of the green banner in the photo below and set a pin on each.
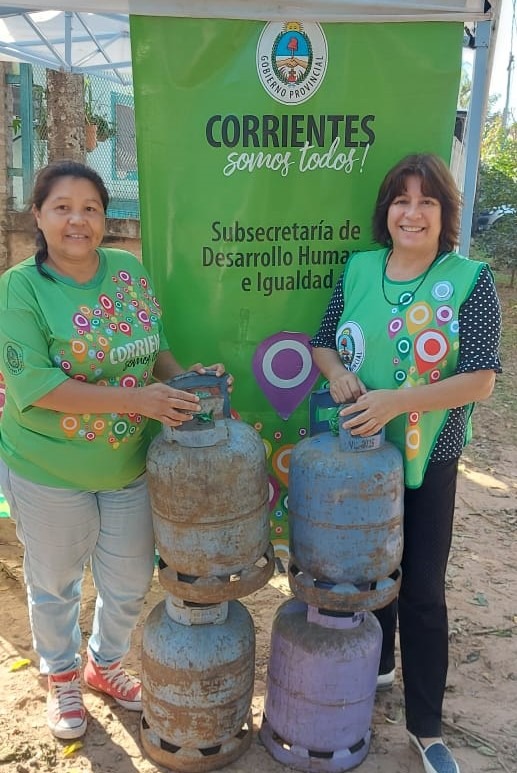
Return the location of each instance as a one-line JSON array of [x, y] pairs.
[[260, 150]]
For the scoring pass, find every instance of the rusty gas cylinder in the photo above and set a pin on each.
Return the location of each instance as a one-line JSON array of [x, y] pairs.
[[209, 493], [346, 499], [197, 684]]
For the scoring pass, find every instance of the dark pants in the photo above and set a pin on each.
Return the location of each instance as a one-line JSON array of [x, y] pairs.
[[421, 607]]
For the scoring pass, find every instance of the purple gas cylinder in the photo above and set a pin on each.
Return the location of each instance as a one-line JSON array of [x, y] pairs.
[[320, 687], [346, 499]]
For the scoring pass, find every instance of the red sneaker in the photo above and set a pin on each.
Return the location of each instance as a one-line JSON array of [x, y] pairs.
[[66, 716], [114, 681]]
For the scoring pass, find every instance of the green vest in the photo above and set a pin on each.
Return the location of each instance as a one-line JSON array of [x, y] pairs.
[[408, 340]]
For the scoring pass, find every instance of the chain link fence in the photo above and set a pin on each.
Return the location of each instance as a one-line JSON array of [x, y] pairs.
[[110, 138]]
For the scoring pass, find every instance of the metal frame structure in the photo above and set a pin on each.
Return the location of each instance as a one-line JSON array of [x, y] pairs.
[[70, 41]]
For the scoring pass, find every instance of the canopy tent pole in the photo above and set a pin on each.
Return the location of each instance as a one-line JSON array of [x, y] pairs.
[[44, 39], [476, 115], [68, 38], [99, 49]]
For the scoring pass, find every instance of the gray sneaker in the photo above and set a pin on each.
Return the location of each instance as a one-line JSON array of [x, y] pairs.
[[385, 681]]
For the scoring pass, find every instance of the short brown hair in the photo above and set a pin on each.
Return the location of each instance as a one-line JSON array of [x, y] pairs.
[[437, 181]]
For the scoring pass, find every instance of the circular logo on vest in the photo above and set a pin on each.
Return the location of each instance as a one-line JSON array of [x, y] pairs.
[[350, 345], [13, 358], [292, 60]]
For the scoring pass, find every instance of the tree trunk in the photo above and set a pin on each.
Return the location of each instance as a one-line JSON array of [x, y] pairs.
[[65, 106]]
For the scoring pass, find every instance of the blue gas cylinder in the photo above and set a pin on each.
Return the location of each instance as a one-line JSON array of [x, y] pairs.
[[320, 687], [197, 684], [209, 492], [346, 498]]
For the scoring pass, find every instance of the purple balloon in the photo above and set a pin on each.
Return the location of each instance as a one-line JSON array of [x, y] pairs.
[[284, 370]]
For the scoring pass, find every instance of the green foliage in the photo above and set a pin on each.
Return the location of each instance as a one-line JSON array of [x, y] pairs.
[[105, 128], [465, 90], [16, 124], [499, 243], [497, 186], [498, 169], [39, 101]]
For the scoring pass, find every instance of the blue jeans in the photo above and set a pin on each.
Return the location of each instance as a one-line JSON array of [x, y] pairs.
[[61, 530]]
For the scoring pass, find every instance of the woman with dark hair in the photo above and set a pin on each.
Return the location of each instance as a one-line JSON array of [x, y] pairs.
[[84, 355], [425, 327]]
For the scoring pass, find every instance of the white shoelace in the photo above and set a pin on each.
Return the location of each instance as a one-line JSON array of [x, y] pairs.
[[120, 679], [68, 695]]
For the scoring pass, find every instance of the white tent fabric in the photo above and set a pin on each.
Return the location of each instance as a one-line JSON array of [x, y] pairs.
[[317, 10], [94, 37]]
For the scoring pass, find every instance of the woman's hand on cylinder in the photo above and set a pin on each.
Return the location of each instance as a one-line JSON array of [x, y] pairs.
[[371, 411], [166, 404], [219, 368], [345, 387]]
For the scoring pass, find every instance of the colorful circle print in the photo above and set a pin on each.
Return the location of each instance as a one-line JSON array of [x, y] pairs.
[[444, 314], [442, 291], [431, 347]]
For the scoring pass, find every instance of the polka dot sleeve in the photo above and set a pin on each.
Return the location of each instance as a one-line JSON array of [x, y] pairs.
[[325, 338], [480, 331], [480, 328]]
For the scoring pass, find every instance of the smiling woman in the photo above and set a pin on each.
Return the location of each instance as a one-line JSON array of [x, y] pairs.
[[83, 354], [415, 223], [72, 219], [410, 341]]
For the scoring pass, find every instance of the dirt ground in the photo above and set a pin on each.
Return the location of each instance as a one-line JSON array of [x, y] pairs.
[[481, 701]]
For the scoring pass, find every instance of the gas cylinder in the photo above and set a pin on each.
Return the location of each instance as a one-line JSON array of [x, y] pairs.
[[320, 687], [197, 684], [209, 492], [346, 498]]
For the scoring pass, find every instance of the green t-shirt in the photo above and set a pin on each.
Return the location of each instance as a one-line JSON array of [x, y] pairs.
[[107, 331]]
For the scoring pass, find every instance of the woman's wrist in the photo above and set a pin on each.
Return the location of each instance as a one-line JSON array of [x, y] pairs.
[[336, 372]]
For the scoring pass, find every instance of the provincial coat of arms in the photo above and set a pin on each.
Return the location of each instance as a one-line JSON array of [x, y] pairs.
[[292, 60]]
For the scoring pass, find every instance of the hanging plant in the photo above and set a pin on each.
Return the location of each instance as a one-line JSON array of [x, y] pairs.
[[39, 98], [90, 137], [105, 128]]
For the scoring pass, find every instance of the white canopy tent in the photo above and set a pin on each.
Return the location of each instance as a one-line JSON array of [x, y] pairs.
[[321, 10], [94, 37], [61, 40]]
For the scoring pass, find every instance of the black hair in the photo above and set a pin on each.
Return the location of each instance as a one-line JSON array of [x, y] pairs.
[[45, 180]]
